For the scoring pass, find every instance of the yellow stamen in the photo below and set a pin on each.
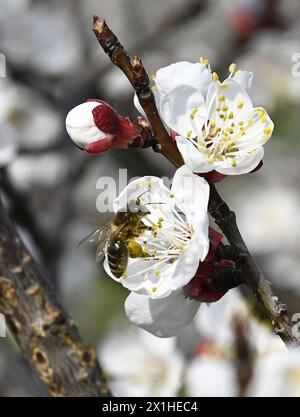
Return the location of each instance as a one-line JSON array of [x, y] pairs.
[[232, 68], [215, 76], [193, 112], [267, 131], [223, 86]]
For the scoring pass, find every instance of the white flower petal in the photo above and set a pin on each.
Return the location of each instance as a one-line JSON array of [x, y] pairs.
[[163, 317], [192, 157], [156, 192], [188, 262], [244, 163], [230, 94], [196, 75], [244, 78], [192, 195], [176, 108], [138, 106]]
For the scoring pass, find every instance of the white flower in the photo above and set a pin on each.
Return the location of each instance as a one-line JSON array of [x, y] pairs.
[[215, 323], [177, 236], [216, 125], [269, 224], [139, 364], [211, 377], [277, 375], [214, 371]]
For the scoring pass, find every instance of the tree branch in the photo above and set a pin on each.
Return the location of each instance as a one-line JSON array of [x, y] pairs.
[[48, 337], [219, 210]]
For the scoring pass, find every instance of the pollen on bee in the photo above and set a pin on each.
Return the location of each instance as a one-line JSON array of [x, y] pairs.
[[154, 88], [231, 115], [171, 195], [149, 184], [157, 273], [189, 133], [240, 105], [222, 97], [125, 276], [224, 108], [202, 60], [153, 77], [154, 289]]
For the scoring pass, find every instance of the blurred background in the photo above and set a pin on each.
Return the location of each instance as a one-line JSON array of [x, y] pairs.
[[54, 62]]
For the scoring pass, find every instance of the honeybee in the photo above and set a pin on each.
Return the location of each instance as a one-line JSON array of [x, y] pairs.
[[117, 238]]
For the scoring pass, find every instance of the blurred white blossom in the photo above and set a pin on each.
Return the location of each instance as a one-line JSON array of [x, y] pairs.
[[270, 57], [45, 36], [45, 170], [139, 364], [277, 375], [267, 216], [27, 119], [213, 371]]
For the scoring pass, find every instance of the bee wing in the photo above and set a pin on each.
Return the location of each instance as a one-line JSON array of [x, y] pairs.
[[100, 252], [98, 235], [104, 240]]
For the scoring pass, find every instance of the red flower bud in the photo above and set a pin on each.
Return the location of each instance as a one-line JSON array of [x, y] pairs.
[[96, 127]]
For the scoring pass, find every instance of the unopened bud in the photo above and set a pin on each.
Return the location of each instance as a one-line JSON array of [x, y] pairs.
[[96, 127]]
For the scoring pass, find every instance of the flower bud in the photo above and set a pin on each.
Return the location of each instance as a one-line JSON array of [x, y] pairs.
[[96, 127]]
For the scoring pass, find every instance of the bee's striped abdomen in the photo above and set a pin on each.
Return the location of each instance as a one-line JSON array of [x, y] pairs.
[[117, 256]]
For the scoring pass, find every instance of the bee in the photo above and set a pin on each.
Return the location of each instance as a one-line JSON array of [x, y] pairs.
[[117, 238]]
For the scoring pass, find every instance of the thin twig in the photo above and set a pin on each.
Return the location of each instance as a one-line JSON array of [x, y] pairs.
[[225, 218], [47, 336]]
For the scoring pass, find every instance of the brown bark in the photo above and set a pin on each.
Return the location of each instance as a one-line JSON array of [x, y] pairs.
[[47, 336]]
